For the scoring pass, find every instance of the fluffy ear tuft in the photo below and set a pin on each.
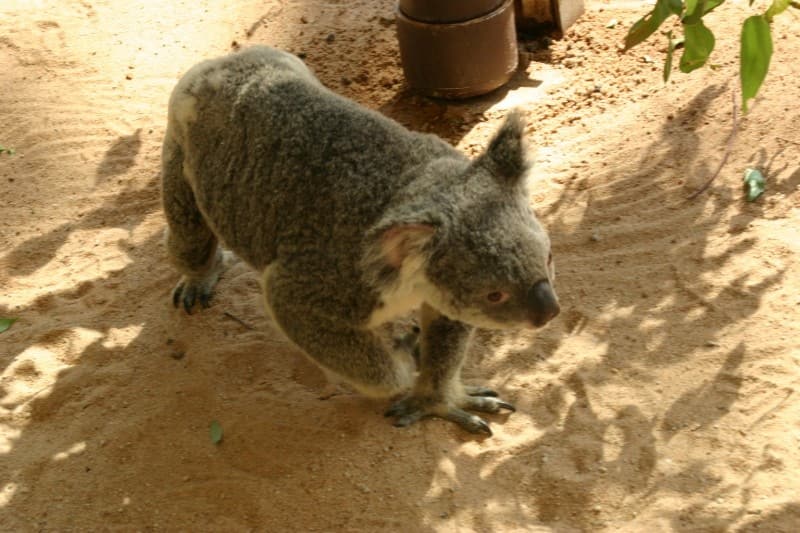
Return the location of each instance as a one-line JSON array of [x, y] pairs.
[[403, 240], [506, 156]]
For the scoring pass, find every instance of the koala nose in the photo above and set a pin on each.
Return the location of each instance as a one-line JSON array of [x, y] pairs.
[[543, 302]]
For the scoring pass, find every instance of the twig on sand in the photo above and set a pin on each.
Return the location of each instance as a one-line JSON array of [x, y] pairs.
[[251, 328], [728, 146], [239, 320], [788, 141], [263, 20]]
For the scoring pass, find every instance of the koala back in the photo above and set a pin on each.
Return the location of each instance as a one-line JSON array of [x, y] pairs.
[[283, 168]]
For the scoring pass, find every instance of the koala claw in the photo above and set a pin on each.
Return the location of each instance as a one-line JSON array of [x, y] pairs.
[[474, 390], [406, 413], [412, 409], [487, 404], [403, 408], [190, 292], [408, 419], [470, 422]]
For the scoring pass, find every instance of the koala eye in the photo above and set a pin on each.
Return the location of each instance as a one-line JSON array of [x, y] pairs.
[[497, 297]]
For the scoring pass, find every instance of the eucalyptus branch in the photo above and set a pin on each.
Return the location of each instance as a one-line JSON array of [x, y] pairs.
[[698, 40]]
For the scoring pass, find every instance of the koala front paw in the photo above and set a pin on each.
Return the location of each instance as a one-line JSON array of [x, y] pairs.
[[192, 289], [189, 291], [413, 408]]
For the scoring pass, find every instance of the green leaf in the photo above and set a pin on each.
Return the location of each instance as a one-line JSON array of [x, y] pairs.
[[676, 6], [755, 55], [9, 151], [776, 8], [5, 323], [695, 14], [216, 432], [754, 182], [711, 5], [697, 46], [648, 24]]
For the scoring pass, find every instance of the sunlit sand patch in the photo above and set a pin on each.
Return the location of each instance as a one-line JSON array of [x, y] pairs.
[[8, 436], [33, 373], [75, 449], [80, 248], [121, 337], [7, 492]]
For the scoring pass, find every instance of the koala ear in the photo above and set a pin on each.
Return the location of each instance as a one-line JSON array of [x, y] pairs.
[[506, 156], [403, 240]]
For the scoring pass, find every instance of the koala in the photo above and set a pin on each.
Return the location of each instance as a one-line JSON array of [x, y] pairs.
[[353, 221]]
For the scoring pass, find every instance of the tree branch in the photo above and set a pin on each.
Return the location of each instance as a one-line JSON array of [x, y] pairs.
[[728, 146]]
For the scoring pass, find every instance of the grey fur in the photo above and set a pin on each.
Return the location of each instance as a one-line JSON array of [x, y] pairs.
[[353, 220]]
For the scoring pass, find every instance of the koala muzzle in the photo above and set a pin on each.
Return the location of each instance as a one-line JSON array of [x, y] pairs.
[[543, 303]]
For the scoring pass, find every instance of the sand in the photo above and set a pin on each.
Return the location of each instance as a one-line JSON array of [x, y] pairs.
[[663, 398]]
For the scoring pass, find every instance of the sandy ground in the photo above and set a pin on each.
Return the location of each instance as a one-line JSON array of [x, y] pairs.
[[664, 398]]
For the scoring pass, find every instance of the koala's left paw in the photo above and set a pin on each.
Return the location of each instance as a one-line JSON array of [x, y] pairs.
[[188, 292], [191, 289]]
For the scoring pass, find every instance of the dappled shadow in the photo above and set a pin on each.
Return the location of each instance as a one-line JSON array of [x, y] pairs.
[[709, 402], [121, 156], [569, 461], [791, 183], [125, 210], [97, 437], [784, 520], [554, 479], [645, 296], [449, 119], [620, 231], [674, 152], [747, 511]]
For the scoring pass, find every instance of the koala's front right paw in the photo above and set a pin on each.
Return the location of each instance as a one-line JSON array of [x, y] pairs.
[[189, 291], [413, 408]]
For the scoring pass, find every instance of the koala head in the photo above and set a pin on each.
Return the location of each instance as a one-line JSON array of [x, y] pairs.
[[484, 257]]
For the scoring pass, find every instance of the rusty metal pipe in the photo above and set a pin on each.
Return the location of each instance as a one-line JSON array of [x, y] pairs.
[[457, 48], [447, 11]]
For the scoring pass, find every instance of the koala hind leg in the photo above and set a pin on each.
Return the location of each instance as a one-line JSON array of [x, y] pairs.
[[357, 356], [191, 245]]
